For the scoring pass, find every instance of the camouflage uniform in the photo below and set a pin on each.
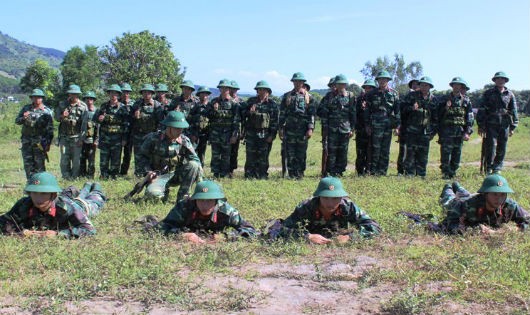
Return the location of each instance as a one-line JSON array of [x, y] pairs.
[[259, 124], [361, 137], [127, 149], [37, 135], [234, 150], [88, 151], [199, 129], [184, 105]]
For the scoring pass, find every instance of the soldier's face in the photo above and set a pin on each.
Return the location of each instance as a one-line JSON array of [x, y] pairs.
[[89, 101], [186, 90], [414, 85], [262, 93], [73, 97], [173, 133], [457, 88], [37, 100], [206, 206], [114, 96], [203, 97], [341, 86], [495, 200], [424, 87], [368, 88], [383, 82], [42, 201], [147, 95], [125, 95], [500, 82], [329, 203], [224, 90], [298, 84], [161, 94]]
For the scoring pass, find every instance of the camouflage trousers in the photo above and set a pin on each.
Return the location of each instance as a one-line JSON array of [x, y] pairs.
[[452, 197], [361, 150], [296, 151], [496, 142], [450, 152], [91, 198], [126, 161], [137, 140], [32, 157], [380, 150], [88, 160], [184, 175], [70, 157], [200, 147], [234, 151], [109, 155], [417, 155], [257, 157], [401, 154], [337, 161], [221, 151]]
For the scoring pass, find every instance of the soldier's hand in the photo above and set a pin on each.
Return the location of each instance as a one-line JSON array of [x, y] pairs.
[[448, 103], [216, 238], [511, 133], [415, 106], [101, 117], [137, 114], [368, 130], [350, 134], [66, 113], [280, 134], [343, 239], [26, 115], [396, 132], [151, 175], [252, 108], [193, 139], [123, 143], [481, 132], [486, 230], [309, 133], [466, 137], [233, 140], [215, 106], [268, 140], [193, 238], [363, 105], [318, 239]]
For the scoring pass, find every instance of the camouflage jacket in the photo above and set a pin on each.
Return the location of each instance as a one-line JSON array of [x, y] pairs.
[[455, 115], [198, 120], [297, 111], [360, 109], [183, 105], [150, 117], [422, 121], [115, 123], [65, 216], [497, 109], [92, 127], [307, 219], [260, 118], [337, 112], [471, 212], [382, 109], [75, 124], [38, 125], [186, 217], [157, 152], [226, 117]]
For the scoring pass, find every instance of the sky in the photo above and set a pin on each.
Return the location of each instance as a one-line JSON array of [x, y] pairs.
[[248, 41]]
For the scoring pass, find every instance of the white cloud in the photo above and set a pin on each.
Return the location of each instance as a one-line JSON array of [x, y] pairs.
[[280, 83]]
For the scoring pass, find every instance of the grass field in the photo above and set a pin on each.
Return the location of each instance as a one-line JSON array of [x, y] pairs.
[[404, 271]]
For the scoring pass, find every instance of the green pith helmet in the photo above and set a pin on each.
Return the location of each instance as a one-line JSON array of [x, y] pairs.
[[298, 76], [307, 86], [37, 92], [458, 80], [263, 85], [73, 89], [383, 74], [500, 74], [89, 94], [224, 83], [207, 189], [495, 183], [426, 80], [176, 120], [203, 89], [147, 87], [42, 182], [125, 87], [113, 87], [340, 79], [411, 82], [331, 82], [187, 83], [161, 87], [234, 85], [330, 187], [369, 82]]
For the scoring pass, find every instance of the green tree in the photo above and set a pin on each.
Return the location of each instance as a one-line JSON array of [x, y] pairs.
[[82, 67], [141, 58], [41, 75], [400, 71]]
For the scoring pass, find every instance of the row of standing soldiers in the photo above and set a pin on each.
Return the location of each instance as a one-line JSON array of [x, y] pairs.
[[121, 125]]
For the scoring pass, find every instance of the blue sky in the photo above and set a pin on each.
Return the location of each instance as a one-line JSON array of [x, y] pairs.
[[253, 40]]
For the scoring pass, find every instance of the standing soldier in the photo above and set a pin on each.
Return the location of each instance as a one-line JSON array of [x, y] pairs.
[[113, 130], [88, 152], [420, 116], [297, 121], [362, 162], [402, 140], [337, 113], [146, 116], [455, 118], [381, 117], [37, 133], [224, 116], [235, 147], [72, 117], [260, 121], [127, 149], [497, 119], [161, 96], [186, 101], [199, 123]]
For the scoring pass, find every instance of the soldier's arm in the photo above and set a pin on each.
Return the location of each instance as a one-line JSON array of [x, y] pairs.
[[176, 219], [482, 112], [322, 111], [49, 128], [353, 112], [274, 120], [144, 154], [470, 118], [283, 110], [79, 223], [191, 154], [20, 117], [242, 227], [294, 225], [367, 226], [311, 114], [434, 116], [512, 107], [518, 215], [11, 222], [236, 120]]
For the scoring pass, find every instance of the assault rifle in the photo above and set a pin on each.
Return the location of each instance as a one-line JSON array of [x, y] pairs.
[[144, 182]]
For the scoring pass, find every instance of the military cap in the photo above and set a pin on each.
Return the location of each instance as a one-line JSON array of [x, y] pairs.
[[147, 87], [330, 187], [412, 82], [458, 80], [331, 82], [307, 86], [495, 183], [224, 83], [426, 80], [125, 87], [175, 119], [37, 92], [263, 85], [74, 89], [203, 89], [369, 82], [383, 74], [42, 182], [207, 190], [113, 87], [298, 76], [188, 83], [161, 87], [500, 74], [340, 79], [90, 94], [234, 85]]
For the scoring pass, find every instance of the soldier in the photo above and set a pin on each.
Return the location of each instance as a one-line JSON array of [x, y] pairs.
[[362, 162], [488, 209], [88, 151], [235, 147], [225, 118], [206, 215], [199, 123], [420, 116], [297, 121], [337, 114], [167, 157], [72, 116], [37, 133], [329, 214], [186, 101], [381, 117], [49, 211], [161, 96], [497, 119], [413, 86], [455, 118], [127, 149], [113, 120], [146, 116], [260, 120]]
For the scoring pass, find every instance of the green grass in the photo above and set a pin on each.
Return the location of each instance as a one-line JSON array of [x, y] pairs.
[[126, 264]]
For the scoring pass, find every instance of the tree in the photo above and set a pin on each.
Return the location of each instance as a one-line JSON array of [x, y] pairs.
[[83, 67], [400, 71], [40, 75], [141, 58]]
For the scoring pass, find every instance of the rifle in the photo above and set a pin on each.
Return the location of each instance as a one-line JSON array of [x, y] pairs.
[[144, 182], [284, 154], [323, 170], [483, 167], [43, 146]]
